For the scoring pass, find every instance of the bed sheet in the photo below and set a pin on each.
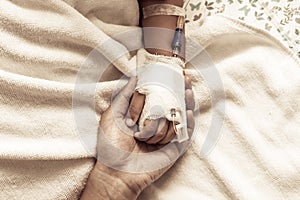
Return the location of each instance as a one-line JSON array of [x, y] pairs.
[[281, 18]]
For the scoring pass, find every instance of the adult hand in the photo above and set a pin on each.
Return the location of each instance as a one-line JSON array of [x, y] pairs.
[[109, 183]]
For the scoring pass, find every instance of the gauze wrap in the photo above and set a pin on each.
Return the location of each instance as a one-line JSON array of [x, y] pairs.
[[161, 80]]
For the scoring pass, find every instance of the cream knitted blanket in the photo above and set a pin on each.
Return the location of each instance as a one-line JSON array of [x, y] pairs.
[[44, 43]]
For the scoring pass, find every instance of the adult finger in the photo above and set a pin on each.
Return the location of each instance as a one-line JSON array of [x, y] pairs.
[[135, 108], [187, 82], [189, 99], [190, 122], [161, 131], [121, 101], [147, 131]]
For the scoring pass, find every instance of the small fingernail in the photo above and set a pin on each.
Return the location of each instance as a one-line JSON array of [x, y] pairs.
[[136, 134], [139, 136], [129, 122]]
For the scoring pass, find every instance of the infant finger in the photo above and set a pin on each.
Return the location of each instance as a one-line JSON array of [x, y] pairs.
[[161, 131], [135, 108], [148, 131], [170, 134]]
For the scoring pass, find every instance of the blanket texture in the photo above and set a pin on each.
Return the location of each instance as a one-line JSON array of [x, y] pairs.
[[44, 43]]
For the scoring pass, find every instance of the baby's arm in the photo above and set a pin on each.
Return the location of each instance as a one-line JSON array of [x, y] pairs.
[[160, 21], [167, 132]]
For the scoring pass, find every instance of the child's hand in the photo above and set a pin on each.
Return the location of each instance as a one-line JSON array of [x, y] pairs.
[[160, 131]]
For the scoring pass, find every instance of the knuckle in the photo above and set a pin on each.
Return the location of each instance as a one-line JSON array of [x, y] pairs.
[[189, 95]]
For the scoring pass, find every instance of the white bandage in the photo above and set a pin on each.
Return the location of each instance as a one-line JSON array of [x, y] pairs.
[[163, 85]]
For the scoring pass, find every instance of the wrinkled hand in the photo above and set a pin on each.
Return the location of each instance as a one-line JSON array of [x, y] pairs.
[[117, 134]]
